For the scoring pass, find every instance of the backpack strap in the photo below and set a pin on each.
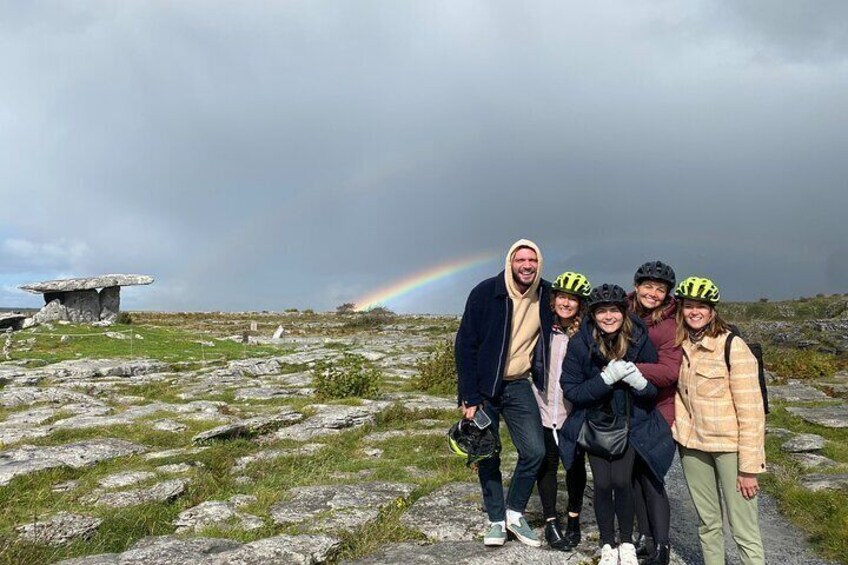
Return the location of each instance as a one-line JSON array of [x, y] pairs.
[[727, 344]]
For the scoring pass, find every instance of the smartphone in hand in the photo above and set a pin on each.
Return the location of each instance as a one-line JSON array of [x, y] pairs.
[[481, 419]]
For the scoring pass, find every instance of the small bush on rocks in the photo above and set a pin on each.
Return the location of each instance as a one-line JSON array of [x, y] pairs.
[[800, 363], [437, 373], [350, 376]]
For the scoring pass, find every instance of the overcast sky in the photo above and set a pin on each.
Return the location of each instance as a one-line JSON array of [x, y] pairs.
[[267, 155]]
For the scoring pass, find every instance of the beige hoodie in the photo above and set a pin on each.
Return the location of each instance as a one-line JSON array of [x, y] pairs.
[[525, 316]]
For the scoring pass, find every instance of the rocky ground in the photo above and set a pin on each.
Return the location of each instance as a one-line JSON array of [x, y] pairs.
[[237, 462]]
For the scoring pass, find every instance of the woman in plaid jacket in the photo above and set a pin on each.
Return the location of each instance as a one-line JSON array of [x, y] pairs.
[[719, 424]]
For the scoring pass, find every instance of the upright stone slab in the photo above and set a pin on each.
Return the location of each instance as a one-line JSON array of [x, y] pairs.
[[83, 306], [110, 303]]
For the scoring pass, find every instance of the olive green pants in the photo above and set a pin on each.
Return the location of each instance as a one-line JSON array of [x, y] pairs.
[[704, 473]]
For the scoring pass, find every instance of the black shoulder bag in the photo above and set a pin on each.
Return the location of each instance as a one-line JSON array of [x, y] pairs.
[[604, 434]]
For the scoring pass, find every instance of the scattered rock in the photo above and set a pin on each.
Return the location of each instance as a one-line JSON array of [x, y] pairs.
[[171, 550], [450, 513], [177, 468], [795, 391], [282, 550], [61, 528], [331, 420], [215, 513], [803, 443], [29, 458], [162, 550], [346, 506], [814, 461], [168, 453], [169, 426], [469, 553], [372, 452], [819, 481], [129, 478], [827, 416], [250, 427], [271, 454], [242, 500], [162, 492], [779, 432]]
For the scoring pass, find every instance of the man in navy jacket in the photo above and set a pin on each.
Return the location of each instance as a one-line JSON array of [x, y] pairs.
[[504, 318]]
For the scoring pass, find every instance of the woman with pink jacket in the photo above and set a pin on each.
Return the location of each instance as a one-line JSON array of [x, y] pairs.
[[568, 294]]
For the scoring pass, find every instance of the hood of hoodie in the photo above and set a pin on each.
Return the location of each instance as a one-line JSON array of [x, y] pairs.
[[669, 309], [511, 287]]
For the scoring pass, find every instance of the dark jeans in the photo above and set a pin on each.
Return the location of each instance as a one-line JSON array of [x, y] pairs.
[[614, 495], [546, 480], [653, 513], [518, 407]]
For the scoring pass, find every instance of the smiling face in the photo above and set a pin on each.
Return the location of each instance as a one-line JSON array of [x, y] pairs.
[[697, 315], [565, 307], [651, 294], [525, 263], [608, 318]]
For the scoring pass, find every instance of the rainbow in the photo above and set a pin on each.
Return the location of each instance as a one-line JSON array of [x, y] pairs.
[[418, 280]]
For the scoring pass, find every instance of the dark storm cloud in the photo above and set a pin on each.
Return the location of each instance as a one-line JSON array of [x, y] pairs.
[[303, 154]]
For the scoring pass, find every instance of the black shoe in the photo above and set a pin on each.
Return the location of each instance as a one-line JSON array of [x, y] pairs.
[[643, 544], [572, 531], [660, 557], [554, 537]]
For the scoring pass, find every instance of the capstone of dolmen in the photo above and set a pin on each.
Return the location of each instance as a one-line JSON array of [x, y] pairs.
[[78, 301]]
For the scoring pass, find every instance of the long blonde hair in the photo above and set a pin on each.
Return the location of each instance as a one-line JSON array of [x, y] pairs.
[[715, 328], [617, 349], [576, 319]]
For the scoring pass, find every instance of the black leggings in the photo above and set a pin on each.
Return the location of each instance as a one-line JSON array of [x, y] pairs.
[[546, 480], [653, 514], [614, 495]]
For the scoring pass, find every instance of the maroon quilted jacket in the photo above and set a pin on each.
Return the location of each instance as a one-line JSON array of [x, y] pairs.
[[664, 373]]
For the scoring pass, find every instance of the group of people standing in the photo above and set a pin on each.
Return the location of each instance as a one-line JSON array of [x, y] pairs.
[[564, 363]]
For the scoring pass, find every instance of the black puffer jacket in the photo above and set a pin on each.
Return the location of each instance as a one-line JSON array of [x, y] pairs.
[[582, 384]]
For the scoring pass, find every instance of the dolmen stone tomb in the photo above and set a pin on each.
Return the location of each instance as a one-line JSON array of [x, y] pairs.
[[79, 301]]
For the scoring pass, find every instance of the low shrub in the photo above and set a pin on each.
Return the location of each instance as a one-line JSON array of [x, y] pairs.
[[350, 376], [372, 319], [124, 318], [437, 372], [800, 363]]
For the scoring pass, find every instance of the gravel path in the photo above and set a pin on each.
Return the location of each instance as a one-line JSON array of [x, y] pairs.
[[784, 543]]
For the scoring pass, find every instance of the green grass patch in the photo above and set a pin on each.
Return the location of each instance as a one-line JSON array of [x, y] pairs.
[[169, 344], [822, 515]]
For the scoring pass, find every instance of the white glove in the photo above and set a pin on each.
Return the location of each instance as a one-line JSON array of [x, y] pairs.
[[614, 372], [635, 379]]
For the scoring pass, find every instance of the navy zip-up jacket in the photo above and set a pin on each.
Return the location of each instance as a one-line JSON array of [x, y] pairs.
[[582, 384], [482, 342]]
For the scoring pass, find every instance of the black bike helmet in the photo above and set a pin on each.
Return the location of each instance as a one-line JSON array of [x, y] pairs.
[[467, 440], [607, 294], [656, 270]]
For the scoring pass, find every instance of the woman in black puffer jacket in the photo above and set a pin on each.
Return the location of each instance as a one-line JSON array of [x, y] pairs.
[[599, 373]]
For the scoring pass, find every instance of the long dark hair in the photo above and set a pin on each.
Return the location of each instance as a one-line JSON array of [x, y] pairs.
[[617, 348]]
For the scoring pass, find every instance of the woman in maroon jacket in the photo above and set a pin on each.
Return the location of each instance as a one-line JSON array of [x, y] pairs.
[[651, 300]]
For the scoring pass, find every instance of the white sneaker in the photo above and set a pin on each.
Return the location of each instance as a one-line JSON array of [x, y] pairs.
[[609, 556], [627, 554]]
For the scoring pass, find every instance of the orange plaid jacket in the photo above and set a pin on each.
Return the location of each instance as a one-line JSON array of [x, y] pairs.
[[717, 410]]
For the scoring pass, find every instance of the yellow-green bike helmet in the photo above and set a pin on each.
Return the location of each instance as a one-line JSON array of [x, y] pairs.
[[468, 441], [697, 288], [572, 283]]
